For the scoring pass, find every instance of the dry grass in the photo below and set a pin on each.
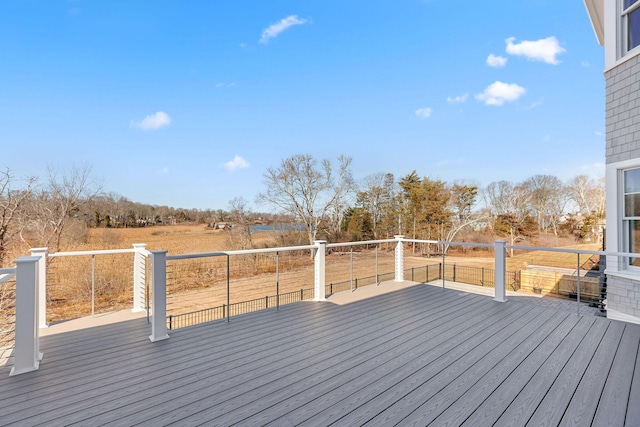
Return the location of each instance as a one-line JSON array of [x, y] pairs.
[[178, 239]]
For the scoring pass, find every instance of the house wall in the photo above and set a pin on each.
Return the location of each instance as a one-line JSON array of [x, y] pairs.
[[622, 151], [623, 299], [623, 111]]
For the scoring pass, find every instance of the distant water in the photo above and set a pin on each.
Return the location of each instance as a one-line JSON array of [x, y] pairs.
[[278, 228]]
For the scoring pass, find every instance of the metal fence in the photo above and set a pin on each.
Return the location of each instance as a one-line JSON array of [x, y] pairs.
[[480, 276], [175, 321]]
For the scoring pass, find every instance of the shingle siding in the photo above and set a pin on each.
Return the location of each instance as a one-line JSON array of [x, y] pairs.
[[623, 295], [623, 143], [622, 116]]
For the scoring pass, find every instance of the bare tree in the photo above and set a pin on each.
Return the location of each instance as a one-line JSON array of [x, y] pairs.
[[241, 216], [54, 205], [546, 198], [508, 205], [308, 192], [376, 195], [588, 194], [461, 203], [12, 201]]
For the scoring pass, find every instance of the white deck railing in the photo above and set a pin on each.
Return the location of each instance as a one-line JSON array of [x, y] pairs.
[[31, 274], [27, 355]]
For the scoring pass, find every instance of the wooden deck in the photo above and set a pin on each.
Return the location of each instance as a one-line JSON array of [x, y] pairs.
[[416, 356]]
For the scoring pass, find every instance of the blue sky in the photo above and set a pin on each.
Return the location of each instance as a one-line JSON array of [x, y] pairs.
[[187, 104]]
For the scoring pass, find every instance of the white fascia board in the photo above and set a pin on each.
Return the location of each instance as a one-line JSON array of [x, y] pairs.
[[595, 9]]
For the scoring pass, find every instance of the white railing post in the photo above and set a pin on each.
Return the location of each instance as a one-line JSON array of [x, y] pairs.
[[159, 297], [399, 258], [139, 277], [27, 354], [42, 285], [500, 265], [319, 270]]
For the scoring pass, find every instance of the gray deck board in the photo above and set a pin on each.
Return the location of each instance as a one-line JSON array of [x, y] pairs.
[[413, 356], [94, 402], [574, 388], [633, 410], [359, 368], [390, 389], [612, 406], [531, 373], [530, 353], [561, 369], [432, 396], [364, 375], [191, 343], [299, 365], [583, 406]]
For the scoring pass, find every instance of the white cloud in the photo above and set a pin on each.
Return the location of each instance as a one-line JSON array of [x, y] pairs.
[[164, 170], [496, 61], [585, 64], [222, 84], [498, 93], [423, 113], [275, 29], [154, 121], [457, 99], [536, 104], [237, 163], [544, 50]]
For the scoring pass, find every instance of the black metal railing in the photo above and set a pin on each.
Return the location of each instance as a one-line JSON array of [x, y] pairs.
[[224, 311], [480, 276]]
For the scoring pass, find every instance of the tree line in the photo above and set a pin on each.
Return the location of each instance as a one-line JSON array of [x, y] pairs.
[[57, 209], [332, 205], [321, 195]]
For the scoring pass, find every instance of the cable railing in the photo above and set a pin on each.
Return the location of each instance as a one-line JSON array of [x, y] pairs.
[[200, 283], [81, 283], [197, 302], [7, 314], [570, 273], [231, 283], [361, 263], [199, 286]]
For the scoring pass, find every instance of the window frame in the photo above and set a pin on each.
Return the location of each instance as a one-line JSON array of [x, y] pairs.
[[625, 221], [624, 30]]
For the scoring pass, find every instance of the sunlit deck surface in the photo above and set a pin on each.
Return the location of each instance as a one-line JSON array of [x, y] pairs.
[[419, 355]]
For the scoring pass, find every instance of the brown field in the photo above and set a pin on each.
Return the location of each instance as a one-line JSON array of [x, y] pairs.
[[178, 239]]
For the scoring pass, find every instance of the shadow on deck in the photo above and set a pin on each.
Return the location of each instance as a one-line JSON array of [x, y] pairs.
[[418, 355]]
